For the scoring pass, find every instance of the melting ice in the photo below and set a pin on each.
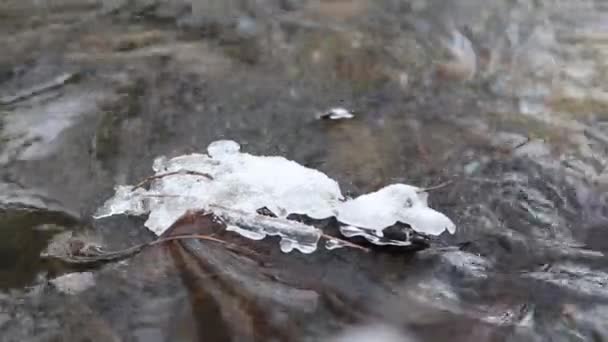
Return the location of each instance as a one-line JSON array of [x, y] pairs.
[[242, 183]]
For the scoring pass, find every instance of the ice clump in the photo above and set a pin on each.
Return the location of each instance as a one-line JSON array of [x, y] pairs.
[[392, 204], [372, 235], [337, 113], [238, 184], [254, 226]]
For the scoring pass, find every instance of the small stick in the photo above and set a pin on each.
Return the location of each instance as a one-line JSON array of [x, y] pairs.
[[323, 235], [521, 144], [483, 180], [112, 256], [188, 236], [183, 172], [346, 243], [435, 187]]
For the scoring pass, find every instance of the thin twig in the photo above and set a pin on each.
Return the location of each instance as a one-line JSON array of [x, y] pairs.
[[187, 237], [483, 180], [112, 256], [435, 187], [521, 144], [182, 172], [346, 243]]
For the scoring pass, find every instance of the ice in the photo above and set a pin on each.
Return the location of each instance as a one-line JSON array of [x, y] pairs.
[[284, 187], [250, 234], [392, 204], [222, 148], [238, 184], [294, 235], [332, 244], [374, 236], [125, 201], [337, 113]]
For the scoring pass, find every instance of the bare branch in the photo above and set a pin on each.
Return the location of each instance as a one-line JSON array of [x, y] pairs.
[[346, 243], [182, 172], [435, 187], [111, 256]]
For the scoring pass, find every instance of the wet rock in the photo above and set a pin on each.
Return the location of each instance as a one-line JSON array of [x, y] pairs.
[[24, 94], [377, 333], [347, 56], [35, 130], [597, 238], [578, 278], [114, 116], [517, 211], [533, 149], [463, 65], [339, 10], [138, 40], [28, 220], [73, 283], [470, 264], [4, 318]]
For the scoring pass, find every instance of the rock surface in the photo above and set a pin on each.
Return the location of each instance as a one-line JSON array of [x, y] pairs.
[[518, 125]]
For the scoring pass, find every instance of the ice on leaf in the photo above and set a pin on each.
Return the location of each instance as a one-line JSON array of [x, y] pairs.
[[392, 204], [293, 234], [240, 183]]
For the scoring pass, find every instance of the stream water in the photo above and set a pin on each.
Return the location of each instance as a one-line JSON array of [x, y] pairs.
[[508, 100]]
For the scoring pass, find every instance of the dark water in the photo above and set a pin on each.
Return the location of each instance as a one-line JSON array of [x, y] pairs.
[[503, 98]]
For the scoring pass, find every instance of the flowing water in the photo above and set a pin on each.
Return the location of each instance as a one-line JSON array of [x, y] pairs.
[[508, 100]]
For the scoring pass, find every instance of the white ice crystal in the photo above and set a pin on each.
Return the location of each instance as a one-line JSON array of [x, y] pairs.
[[337, 113], [392, 204], [240, 183]]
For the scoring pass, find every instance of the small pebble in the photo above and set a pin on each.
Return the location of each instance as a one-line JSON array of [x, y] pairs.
[[337, 113]]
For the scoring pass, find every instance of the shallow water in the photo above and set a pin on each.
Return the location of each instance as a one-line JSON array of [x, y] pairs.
[[505, 99]]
